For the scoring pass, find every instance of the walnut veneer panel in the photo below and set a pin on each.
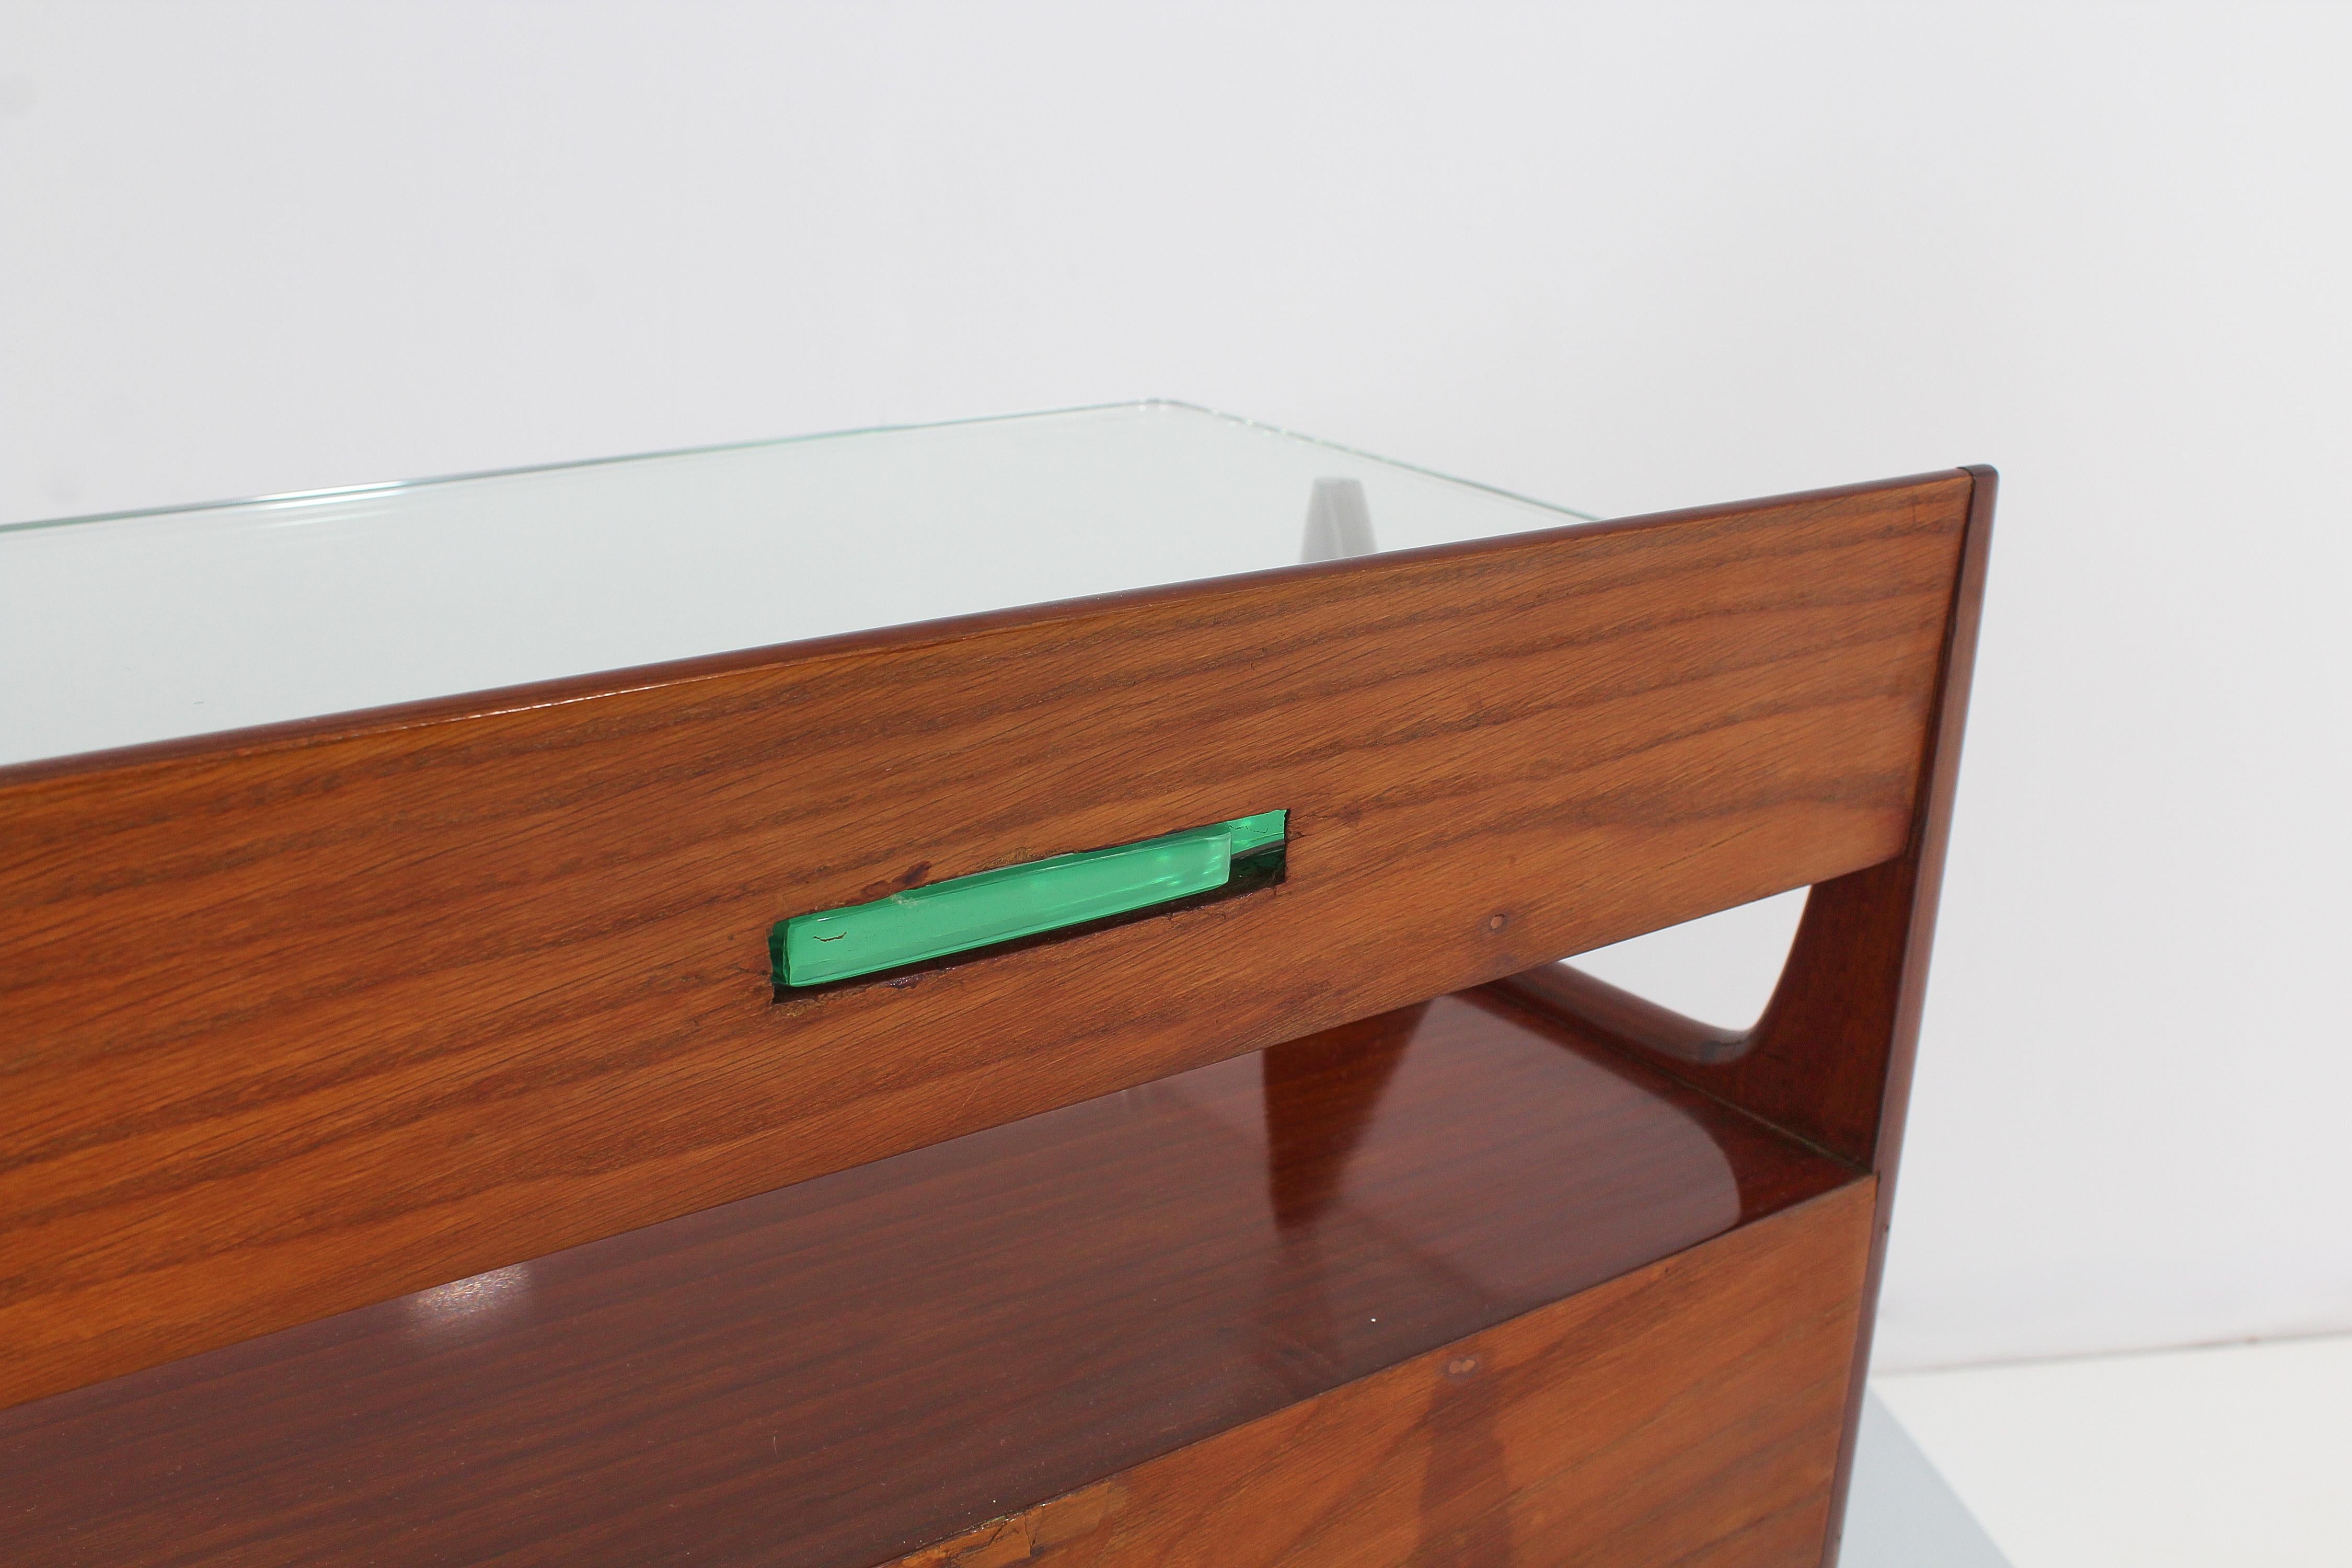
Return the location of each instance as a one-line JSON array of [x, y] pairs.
[[1688, 1414], [303, 1021], [835, 1373]]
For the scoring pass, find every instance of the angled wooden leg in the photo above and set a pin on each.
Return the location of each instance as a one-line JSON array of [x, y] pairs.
[[1315, 1118], [1829, 1061]]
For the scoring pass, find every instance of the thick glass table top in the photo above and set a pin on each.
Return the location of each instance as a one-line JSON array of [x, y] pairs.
[[150, 626]]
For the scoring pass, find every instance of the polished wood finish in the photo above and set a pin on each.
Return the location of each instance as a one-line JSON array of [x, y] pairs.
[[1830, 1058], [303, 1020], [1686, 1413], [1203, 1276]]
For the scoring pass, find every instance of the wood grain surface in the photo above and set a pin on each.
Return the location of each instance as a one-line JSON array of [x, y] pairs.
[[845, 1370], [1832, 1056], [303, 1020], [1686, 1414]]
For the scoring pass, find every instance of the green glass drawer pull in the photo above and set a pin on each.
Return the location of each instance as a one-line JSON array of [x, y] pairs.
[[1014, 902]]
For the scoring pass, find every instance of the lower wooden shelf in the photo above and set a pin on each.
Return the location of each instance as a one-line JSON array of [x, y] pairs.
[[1225, 1317]]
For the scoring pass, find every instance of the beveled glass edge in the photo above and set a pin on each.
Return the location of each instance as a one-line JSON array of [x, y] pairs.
[[388, 487]]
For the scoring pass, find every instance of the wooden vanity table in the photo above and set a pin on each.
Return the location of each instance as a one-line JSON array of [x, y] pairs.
[[420, 1148]]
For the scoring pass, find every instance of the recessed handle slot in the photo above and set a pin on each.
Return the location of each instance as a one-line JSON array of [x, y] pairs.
[[1014, 902]]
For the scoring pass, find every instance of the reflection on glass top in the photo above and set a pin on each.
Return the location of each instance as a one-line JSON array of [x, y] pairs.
[[148, 626]]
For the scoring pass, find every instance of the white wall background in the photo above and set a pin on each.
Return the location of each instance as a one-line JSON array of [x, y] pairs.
[[1625, 257]]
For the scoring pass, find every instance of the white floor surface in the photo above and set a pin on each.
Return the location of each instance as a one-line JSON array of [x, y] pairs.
[[1901, 1513], [2200, 1459]]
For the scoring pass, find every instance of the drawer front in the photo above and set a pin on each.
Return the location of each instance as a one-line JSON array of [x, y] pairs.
[[298, 1021]]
